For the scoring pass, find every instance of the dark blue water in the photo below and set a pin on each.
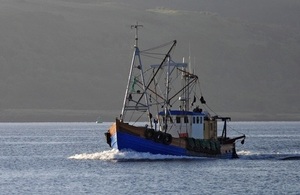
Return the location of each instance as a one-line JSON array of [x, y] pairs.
[[73, 158]]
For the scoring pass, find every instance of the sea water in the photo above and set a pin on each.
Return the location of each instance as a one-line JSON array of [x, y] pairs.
[[73, 158]]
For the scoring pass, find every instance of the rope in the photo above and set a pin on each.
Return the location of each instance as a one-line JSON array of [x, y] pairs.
[[157, 47], [231, 128], [149, 56]]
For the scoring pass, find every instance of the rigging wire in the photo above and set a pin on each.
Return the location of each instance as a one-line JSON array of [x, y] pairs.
[[139, 117], [152, 53], [149, 56], [131, 116], [234, 129], [158, 47], [207, 106], [211, 109]]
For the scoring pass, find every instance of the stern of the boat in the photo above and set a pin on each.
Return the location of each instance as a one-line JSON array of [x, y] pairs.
[[229, 145]]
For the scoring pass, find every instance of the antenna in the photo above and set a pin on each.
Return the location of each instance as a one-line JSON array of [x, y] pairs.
[[136, 26], [190, 62]]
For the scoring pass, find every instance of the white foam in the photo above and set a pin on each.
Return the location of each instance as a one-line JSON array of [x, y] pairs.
[[116, 155], [105, 155], [246, 153]]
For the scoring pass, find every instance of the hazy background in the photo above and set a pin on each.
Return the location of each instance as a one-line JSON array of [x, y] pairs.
[[68, 60]]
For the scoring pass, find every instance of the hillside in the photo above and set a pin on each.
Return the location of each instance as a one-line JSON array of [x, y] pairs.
[[67, 60]]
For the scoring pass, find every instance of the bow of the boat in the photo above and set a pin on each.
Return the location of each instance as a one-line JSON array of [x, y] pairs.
[[111, 138]]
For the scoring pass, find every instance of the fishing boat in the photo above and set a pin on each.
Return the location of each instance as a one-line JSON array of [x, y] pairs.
[[160, 114]]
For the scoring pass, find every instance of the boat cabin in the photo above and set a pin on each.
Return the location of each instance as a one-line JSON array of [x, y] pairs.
[[195, 124]]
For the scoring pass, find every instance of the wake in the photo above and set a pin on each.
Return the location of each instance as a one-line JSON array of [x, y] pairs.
[[125, 156], [248, 155], [115, 155]]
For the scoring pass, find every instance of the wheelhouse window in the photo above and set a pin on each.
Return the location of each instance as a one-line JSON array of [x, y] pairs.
[[178, 119], [197, 119], [186, 119]]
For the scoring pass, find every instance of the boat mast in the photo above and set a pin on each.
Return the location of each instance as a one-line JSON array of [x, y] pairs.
[[186, 77], [187, 81], [167, 101], [136, 66], [136, 26]]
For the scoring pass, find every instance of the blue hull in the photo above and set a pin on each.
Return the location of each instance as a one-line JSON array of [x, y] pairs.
[[127, 141], [123, 136]]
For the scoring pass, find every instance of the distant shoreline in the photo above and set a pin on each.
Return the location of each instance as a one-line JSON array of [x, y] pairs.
[[69, 115]]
